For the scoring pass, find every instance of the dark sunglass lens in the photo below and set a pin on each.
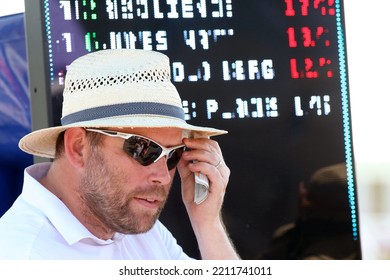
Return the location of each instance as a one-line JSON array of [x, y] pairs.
[[174, 157], [142, 150]]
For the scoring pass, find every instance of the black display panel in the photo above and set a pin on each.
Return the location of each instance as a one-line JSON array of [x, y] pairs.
[[271, 72]]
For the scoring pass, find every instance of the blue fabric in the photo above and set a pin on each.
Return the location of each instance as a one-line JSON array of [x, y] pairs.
[[15, 116], [123, 109]]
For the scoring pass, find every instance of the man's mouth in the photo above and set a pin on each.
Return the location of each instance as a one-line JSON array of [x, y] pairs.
[[148, 202]]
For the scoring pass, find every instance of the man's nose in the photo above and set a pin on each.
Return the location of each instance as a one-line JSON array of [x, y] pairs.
[[160, 172]]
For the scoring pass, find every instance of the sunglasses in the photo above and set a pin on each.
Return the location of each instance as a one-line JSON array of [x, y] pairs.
[[145, 150]]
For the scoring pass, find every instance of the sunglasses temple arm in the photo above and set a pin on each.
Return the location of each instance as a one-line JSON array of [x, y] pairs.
[[111, 133]]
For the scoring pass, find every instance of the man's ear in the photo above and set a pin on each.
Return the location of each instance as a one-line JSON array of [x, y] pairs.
[[76, 146]]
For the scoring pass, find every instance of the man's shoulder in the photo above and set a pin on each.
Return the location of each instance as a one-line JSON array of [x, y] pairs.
[[19, 228]]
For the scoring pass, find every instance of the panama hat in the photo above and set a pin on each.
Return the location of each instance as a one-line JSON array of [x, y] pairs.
[[120, 88]]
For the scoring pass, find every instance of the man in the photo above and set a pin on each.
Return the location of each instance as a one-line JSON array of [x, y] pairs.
[[123, 134], [322, 230]]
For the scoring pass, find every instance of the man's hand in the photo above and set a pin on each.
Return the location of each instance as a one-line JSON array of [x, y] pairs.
[[205, 156]]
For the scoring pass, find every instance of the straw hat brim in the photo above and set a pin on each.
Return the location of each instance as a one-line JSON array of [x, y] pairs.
[[43, 142]]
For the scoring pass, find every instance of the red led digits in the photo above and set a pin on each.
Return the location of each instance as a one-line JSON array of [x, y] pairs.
[[325, 7], [292, 42], [309, 37], [304, 7], [303, 71], [290, 11], [307, 67], [325, 10], [323, 62]]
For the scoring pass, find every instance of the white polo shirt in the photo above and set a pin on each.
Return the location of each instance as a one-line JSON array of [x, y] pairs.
[[40, 226]]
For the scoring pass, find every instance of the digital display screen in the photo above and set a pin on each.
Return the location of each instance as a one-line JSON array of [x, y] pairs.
[[271, 72]]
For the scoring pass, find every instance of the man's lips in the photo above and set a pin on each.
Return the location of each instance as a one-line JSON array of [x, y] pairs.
[[149, 202]]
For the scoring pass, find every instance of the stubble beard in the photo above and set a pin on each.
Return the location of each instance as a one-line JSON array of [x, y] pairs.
[[102, 191]]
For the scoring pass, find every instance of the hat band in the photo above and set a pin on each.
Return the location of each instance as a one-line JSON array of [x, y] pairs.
[[143, 108]]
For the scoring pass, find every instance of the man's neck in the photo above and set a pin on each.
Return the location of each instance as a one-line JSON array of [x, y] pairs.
[[59, 182]]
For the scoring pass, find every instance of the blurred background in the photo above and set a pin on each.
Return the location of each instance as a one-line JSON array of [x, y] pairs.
[[367, 24]]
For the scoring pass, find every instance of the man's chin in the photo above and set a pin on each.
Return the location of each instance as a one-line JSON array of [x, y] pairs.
[[143, 225]]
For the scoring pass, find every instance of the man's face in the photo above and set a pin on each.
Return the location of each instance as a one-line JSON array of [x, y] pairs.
[[125, 196]]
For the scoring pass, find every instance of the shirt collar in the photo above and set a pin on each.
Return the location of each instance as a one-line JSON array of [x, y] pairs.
[[54, 209]]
